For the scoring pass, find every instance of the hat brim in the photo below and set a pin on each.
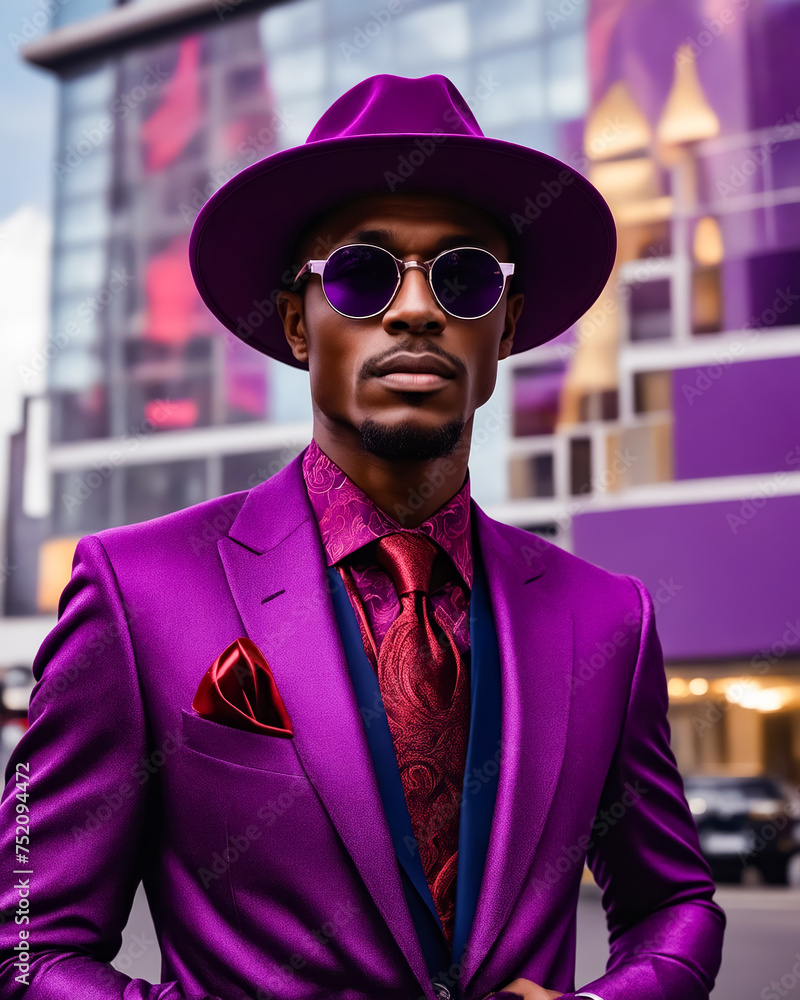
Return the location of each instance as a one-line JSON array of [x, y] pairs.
[[241, 240]]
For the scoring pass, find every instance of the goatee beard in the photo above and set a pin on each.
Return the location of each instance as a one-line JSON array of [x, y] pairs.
[[408, 442]]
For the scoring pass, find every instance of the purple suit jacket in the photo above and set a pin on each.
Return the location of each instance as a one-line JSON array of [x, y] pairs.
[[267, 862]]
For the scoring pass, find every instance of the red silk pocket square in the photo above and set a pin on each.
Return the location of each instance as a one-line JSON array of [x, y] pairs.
[[238, 690]]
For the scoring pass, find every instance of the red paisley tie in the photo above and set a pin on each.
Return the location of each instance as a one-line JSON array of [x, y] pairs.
[[425, 689]]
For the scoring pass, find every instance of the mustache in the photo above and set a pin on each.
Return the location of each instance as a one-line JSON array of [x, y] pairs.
[[369, 368]]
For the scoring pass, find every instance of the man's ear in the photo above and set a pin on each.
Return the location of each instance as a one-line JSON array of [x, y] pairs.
[[290, 307], [513, 310]]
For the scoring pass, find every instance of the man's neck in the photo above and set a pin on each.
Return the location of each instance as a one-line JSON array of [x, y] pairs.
[[410, 492]]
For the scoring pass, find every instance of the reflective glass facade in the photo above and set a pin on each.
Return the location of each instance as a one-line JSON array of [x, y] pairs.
[[146, 135], [145, 138], [656, 437]]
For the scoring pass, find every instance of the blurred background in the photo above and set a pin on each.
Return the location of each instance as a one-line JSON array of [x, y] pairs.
[[660, 436]]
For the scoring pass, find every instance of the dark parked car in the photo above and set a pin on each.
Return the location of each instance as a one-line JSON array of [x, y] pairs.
[[745, 823]]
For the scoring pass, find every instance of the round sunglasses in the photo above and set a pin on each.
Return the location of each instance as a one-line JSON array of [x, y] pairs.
[[360, 280]]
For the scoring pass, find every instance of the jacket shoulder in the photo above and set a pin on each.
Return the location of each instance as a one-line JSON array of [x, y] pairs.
[[576, 578]]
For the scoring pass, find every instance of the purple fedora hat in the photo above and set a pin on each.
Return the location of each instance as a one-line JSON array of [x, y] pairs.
[[392, 134]]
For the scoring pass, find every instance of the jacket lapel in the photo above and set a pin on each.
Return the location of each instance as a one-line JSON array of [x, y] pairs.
[[535, 636], [275, 567]]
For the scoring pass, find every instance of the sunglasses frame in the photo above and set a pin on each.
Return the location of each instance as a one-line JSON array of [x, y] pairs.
[[318, 267]]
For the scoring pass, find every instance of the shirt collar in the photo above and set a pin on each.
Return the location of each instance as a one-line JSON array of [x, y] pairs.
[[348, 518]]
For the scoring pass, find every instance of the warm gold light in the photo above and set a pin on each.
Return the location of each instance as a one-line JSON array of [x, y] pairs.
[[616, 126], [624, 179], [707, 247], [698, 685], [747, 693], [634, 213], [768, 700], [55, 568], [734, 692], [687, 115], [677, 687]]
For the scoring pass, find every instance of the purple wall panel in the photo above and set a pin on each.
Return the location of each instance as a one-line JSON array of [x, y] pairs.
[[725, 577], [737, 418]]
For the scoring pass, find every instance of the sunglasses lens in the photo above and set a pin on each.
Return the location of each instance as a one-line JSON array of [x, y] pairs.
[[359, 280], [468, 282]]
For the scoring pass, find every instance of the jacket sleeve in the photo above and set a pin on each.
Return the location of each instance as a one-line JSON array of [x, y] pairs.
[[665, 930], [79, 804]]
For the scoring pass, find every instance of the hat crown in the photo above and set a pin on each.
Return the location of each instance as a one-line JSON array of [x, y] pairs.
[[393, 105], [415, 134]]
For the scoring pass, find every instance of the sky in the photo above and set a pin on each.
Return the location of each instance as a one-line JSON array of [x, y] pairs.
[[27, 142], [28, 97]]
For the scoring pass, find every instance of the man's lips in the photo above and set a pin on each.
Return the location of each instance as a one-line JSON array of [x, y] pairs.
[[414, 380], [415, 371]]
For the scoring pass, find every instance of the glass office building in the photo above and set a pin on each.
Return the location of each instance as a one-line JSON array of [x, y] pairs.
[[153, 405], [645, 438]]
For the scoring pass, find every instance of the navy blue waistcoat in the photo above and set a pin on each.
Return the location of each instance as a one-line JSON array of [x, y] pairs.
[[480, 776]]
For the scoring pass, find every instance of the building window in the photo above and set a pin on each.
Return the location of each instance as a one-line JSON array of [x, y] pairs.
[[580, 465], [243, 472], [650, 310], [536, 396], [153, 490]]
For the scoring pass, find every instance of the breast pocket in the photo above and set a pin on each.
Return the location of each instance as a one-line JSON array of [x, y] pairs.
[[237, 746]]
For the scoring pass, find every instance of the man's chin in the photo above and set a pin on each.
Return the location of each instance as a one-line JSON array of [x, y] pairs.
[[409, 442]]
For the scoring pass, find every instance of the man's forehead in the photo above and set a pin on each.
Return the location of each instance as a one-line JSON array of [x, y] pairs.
[[384, 219]]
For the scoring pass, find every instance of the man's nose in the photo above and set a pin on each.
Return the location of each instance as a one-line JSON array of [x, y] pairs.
[[414, 306]]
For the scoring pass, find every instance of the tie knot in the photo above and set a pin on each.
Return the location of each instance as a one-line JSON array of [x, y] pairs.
[[408, 559]]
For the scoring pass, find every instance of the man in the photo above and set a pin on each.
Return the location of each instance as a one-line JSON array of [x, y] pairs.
[[335, 723]]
